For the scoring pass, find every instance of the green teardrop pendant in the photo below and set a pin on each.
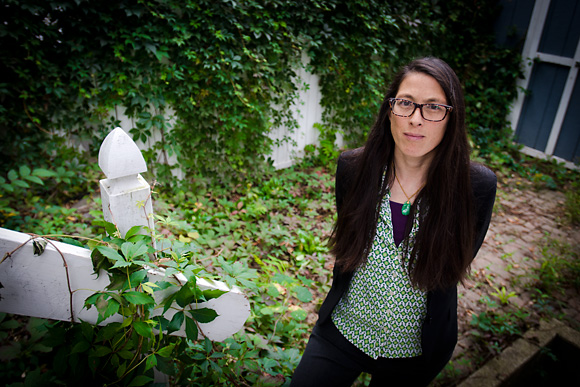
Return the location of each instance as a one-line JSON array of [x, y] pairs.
[[406, 208]]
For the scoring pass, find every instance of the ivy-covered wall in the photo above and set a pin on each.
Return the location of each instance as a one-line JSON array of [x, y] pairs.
[[222, 66]]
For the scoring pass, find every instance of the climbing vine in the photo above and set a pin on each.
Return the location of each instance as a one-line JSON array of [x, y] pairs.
[[206, 81]]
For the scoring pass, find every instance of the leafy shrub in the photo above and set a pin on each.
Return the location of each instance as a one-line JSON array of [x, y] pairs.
[[573, 203], [206, 81]]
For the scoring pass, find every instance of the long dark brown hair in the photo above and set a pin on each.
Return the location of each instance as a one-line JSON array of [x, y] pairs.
[[443, 248]]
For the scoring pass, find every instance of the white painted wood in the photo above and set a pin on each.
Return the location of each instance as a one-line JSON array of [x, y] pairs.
[[541, 155], [555, 59], [127, 202], [529, 51], [37, 286], [126, 196], [307, 111], [119, 156]]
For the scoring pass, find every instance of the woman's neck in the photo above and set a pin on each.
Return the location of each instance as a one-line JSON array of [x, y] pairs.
[[411, 175]]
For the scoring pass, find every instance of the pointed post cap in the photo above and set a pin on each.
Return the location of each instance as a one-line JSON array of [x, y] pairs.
[[119, 156]]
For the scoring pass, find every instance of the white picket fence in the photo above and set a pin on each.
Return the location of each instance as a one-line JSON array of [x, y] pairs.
[[55, 284]]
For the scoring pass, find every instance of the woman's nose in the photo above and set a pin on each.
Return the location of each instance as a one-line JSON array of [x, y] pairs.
[[417, 117]]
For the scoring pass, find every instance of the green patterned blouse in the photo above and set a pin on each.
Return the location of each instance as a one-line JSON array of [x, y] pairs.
[[382, 313]]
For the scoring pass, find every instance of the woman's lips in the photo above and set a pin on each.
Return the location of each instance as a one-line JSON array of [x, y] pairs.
[[413, 136]]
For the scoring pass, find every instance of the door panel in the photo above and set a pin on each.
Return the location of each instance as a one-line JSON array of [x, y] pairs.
[[561, 29], [568, 145], [541, 104]]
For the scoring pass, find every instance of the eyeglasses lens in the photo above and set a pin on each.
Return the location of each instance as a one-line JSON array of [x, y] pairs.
[[431, 112]]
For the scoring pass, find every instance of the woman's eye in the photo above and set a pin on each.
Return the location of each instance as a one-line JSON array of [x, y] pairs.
[[433, 107], [405, 103]]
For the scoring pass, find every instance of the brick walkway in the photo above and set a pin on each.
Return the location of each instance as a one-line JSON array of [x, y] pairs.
[[522, 220]]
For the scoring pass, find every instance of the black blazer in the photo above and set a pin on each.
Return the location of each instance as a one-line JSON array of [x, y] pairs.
[[439, 331]]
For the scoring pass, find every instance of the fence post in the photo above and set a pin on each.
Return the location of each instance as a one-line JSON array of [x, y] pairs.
[[126, 196], [55, 284]]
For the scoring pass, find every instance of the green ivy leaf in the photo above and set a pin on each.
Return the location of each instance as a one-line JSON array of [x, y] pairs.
[[282, 278], [272, 291], [138, 298], [110, 228], [24, 171], [203, 315], [110, 253], [112, 308], [34, 179], [185, 295], [143, 329], [148, 287], [133, 250], [10, 352], [162, 285], [100, 262], [133, 231], [137, 277], [126, 322], [167, 302], [12, 175], [91, 300], [107, 332], [125, 354], [102, 303], [299, 314], [212, 293], [191, 329], [176, 322], [303, 294], [20, 183], [87, 330], [162, 323], [151, 362], [40, 172], [81, 346], [121, 370], [101, 350], [167, 350], [141, 380], [120, 264], [207, 345]]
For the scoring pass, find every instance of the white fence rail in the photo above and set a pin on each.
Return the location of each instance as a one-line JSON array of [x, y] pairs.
[[55, 284]]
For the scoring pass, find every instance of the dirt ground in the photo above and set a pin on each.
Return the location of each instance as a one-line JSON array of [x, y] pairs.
[[522, 221]]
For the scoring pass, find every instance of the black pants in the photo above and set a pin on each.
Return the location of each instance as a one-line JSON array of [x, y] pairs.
[[331, 360]]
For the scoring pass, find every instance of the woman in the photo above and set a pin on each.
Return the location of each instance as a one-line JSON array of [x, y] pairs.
[[412, 214]]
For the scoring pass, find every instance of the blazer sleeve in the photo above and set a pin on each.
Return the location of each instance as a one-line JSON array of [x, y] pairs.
[[484, 184]]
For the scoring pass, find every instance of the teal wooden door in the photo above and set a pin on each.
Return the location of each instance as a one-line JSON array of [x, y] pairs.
[[549, 118]]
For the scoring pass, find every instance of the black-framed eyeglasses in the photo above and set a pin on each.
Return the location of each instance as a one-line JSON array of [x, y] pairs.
[[429, 111]]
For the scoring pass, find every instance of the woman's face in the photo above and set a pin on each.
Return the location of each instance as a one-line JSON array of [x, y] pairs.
[[416, 139]]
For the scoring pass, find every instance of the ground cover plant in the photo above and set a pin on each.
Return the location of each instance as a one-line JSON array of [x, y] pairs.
[[267, 237]]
